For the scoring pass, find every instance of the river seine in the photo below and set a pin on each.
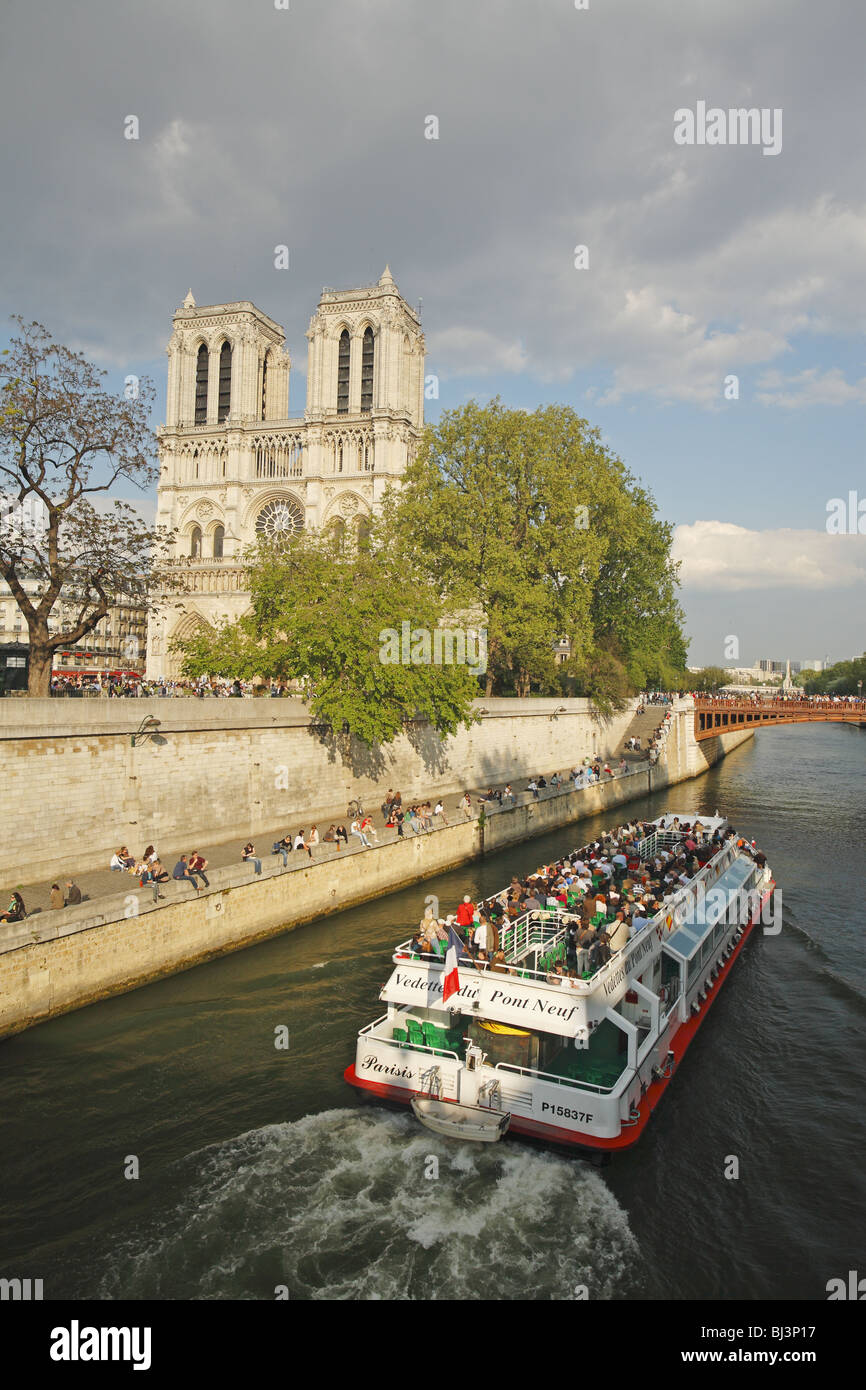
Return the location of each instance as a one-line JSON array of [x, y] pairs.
[[258, 1167]]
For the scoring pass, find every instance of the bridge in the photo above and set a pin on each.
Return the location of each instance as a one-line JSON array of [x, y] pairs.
[[714, 717]]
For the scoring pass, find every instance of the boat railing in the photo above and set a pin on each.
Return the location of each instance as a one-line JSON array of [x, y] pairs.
[[649, 846], [406, 1046], [542, 929], [537, 931], [558, 1080], [383, 1018]]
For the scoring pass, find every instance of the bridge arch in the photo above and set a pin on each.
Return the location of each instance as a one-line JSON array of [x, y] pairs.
[[714, 717]]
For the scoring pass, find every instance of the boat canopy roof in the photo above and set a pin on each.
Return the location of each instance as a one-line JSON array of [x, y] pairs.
[[708, 909]]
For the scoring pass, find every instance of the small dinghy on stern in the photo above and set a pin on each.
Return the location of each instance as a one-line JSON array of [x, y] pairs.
[[456, 1121]]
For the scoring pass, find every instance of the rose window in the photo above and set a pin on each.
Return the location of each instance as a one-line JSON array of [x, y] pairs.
[[280, 519]]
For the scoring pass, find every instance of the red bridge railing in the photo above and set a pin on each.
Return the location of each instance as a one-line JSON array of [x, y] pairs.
[[726, 714]]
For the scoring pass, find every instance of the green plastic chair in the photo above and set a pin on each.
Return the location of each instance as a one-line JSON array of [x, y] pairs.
[[416, 1034], [439, 1038], [399, 1034]]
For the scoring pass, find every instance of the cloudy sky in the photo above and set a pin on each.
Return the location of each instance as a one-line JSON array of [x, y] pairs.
[[306, 126]]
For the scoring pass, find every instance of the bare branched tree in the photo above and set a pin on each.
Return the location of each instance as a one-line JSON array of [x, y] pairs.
[[65, 439]]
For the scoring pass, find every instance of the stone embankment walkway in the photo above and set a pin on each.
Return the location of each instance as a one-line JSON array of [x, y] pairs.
[[106, 883]]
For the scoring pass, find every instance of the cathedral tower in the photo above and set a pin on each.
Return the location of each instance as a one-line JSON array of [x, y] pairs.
[[233, 464]]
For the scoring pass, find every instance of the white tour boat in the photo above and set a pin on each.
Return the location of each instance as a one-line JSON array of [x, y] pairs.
[[581, 1061]]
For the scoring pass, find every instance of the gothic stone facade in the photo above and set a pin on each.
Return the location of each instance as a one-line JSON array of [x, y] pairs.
[[234, 465]]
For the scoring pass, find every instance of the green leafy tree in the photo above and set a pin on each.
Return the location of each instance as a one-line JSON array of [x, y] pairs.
[[329, 614], [64, 440], [528, 519], [709, 678], [843, 678]]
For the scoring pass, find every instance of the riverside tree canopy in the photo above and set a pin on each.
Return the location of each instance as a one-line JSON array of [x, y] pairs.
[[523, 525], [324, 613], [530, 520]]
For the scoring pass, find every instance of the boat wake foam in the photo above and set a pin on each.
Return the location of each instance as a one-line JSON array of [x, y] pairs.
[[337, 1206]]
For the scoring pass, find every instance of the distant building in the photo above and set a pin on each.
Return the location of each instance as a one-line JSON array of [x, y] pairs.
[[117, 643], [777, 668]]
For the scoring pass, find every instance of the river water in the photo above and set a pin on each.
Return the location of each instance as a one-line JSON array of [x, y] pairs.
[[259, 1167]]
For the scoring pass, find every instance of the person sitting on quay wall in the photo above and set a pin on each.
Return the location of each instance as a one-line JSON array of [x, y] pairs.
[[301, 844], [156, 874], [197, 866], [248, 855], [181, 872], [16, 911], [283, 847], [356, 830]]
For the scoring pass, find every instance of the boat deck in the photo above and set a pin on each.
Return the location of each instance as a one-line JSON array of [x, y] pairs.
[[595, 1069]]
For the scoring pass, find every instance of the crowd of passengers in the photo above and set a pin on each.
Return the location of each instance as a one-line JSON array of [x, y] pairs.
[[608, 891]]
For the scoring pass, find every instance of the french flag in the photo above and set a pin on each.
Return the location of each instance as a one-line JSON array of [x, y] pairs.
[[451, 982]]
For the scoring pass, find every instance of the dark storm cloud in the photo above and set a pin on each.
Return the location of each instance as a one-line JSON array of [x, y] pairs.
[[306, 127]]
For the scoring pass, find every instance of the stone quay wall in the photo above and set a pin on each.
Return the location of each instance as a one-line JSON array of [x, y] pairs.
[[75, 789], [63, 960]]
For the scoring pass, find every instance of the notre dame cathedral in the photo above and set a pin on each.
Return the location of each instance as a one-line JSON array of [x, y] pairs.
[[234, 465]]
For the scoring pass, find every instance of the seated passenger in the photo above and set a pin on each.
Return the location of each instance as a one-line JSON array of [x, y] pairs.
[[16, 911]]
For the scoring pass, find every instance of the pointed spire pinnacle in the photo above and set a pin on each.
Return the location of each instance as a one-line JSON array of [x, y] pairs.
[[189, 302], [387, 277]]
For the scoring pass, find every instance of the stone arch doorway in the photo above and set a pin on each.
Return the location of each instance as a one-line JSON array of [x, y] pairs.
[[187, 625]]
